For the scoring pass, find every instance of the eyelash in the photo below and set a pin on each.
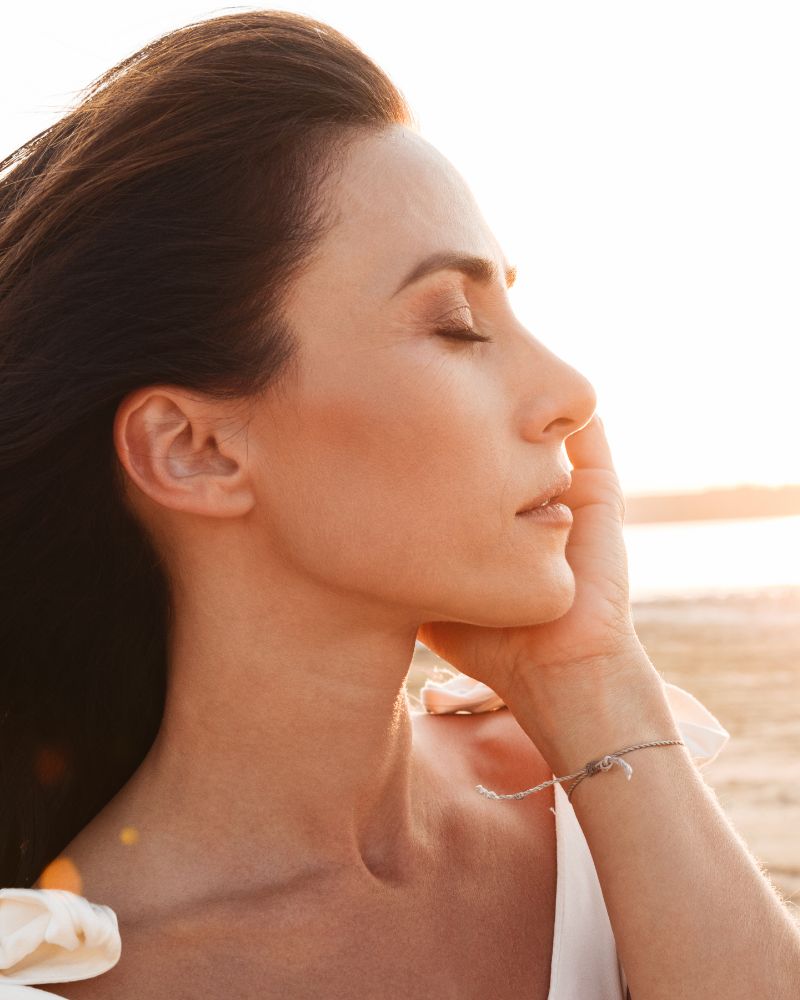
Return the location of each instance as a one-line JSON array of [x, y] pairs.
[[462, 333]]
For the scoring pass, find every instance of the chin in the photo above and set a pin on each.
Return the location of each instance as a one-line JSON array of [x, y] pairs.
[[552, 596], [546, 598], [562, 597]]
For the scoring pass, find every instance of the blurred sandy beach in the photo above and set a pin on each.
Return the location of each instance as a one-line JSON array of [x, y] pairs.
[[740, 655]]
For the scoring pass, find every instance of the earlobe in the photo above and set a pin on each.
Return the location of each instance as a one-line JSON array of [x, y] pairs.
[[180, 452]]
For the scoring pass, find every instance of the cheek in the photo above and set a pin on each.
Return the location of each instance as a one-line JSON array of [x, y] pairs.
[[396, 474], [406, 446]]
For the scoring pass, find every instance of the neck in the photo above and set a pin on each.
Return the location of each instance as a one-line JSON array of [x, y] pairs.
[[287, 747]]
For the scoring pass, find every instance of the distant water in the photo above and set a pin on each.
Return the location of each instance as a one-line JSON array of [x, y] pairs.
[[712, 557]]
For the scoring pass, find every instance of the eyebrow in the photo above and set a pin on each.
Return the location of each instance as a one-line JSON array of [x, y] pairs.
[[480, 269]]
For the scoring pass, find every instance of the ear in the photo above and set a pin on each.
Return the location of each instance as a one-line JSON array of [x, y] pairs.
[[185, 451]]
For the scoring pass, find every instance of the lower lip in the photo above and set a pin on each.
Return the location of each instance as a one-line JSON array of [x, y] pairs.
[[551, 513]]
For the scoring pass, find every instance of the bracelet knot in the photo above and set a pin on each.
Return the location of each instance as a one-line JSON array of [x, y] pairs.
[[604, 763]]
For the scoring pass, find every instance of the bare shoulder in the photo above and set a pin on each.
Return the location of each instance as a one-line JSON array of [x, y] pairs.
[[482, 735], [488, 748]]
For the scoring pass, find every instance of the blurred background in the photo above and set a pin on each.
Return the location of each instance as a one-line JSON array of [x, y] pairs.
[[638, 164]]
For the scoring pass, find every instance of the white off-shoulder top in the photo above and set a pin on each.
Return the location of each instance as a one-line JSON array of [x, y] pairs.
[[56, 936]]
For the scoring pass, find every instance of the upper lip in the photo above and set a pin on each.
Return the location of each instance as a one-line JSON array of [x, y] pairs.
[[558, 486]]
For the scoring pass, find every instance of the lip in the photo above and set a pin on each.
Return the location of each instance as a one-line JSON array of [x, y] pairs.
[[551, 513], [558, 487]]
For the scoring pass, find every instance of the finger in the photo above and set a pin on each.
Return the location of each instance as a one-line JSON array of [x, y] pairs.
[[588, 448]]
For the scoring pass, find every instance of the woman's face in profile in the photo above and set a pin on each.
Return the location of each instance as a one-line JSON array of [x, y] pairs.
[[394, 467]]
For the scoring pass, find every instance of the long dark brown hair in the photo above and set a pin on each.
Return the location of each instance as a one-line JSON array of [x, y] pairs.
[[149, 236]]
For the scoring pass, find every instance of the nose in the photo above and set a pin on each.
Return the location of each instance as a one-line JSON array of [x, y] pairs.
[[557, 400]]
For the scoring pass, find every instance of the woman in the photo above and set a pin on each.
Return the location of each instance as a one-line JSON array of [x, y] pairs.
[[267, 418]]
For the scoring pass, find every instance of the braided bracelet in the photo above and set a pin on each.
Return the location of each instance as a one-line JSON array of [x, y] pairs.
[[589, 769]]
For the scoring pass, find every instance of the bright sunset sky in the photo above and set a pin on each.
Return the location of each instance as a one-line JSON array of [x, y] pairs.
[[638, 162]]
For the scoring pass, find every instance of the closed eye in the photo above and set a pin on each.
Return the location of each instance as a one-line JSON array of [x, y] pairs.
[[463, 333]]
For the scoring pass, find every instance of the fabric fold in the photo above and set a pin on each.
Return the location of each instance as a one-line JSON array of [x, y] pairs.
[[52, 936], [702, 732], [11, 992], [460, 693]]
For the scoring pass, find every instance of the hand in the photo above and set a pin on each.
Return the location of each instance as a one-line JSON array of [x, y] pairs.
[[598, 625]]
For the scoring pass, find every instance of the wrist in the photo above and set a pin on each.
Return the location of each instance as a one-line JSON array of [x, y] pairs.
[[592, 708]]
